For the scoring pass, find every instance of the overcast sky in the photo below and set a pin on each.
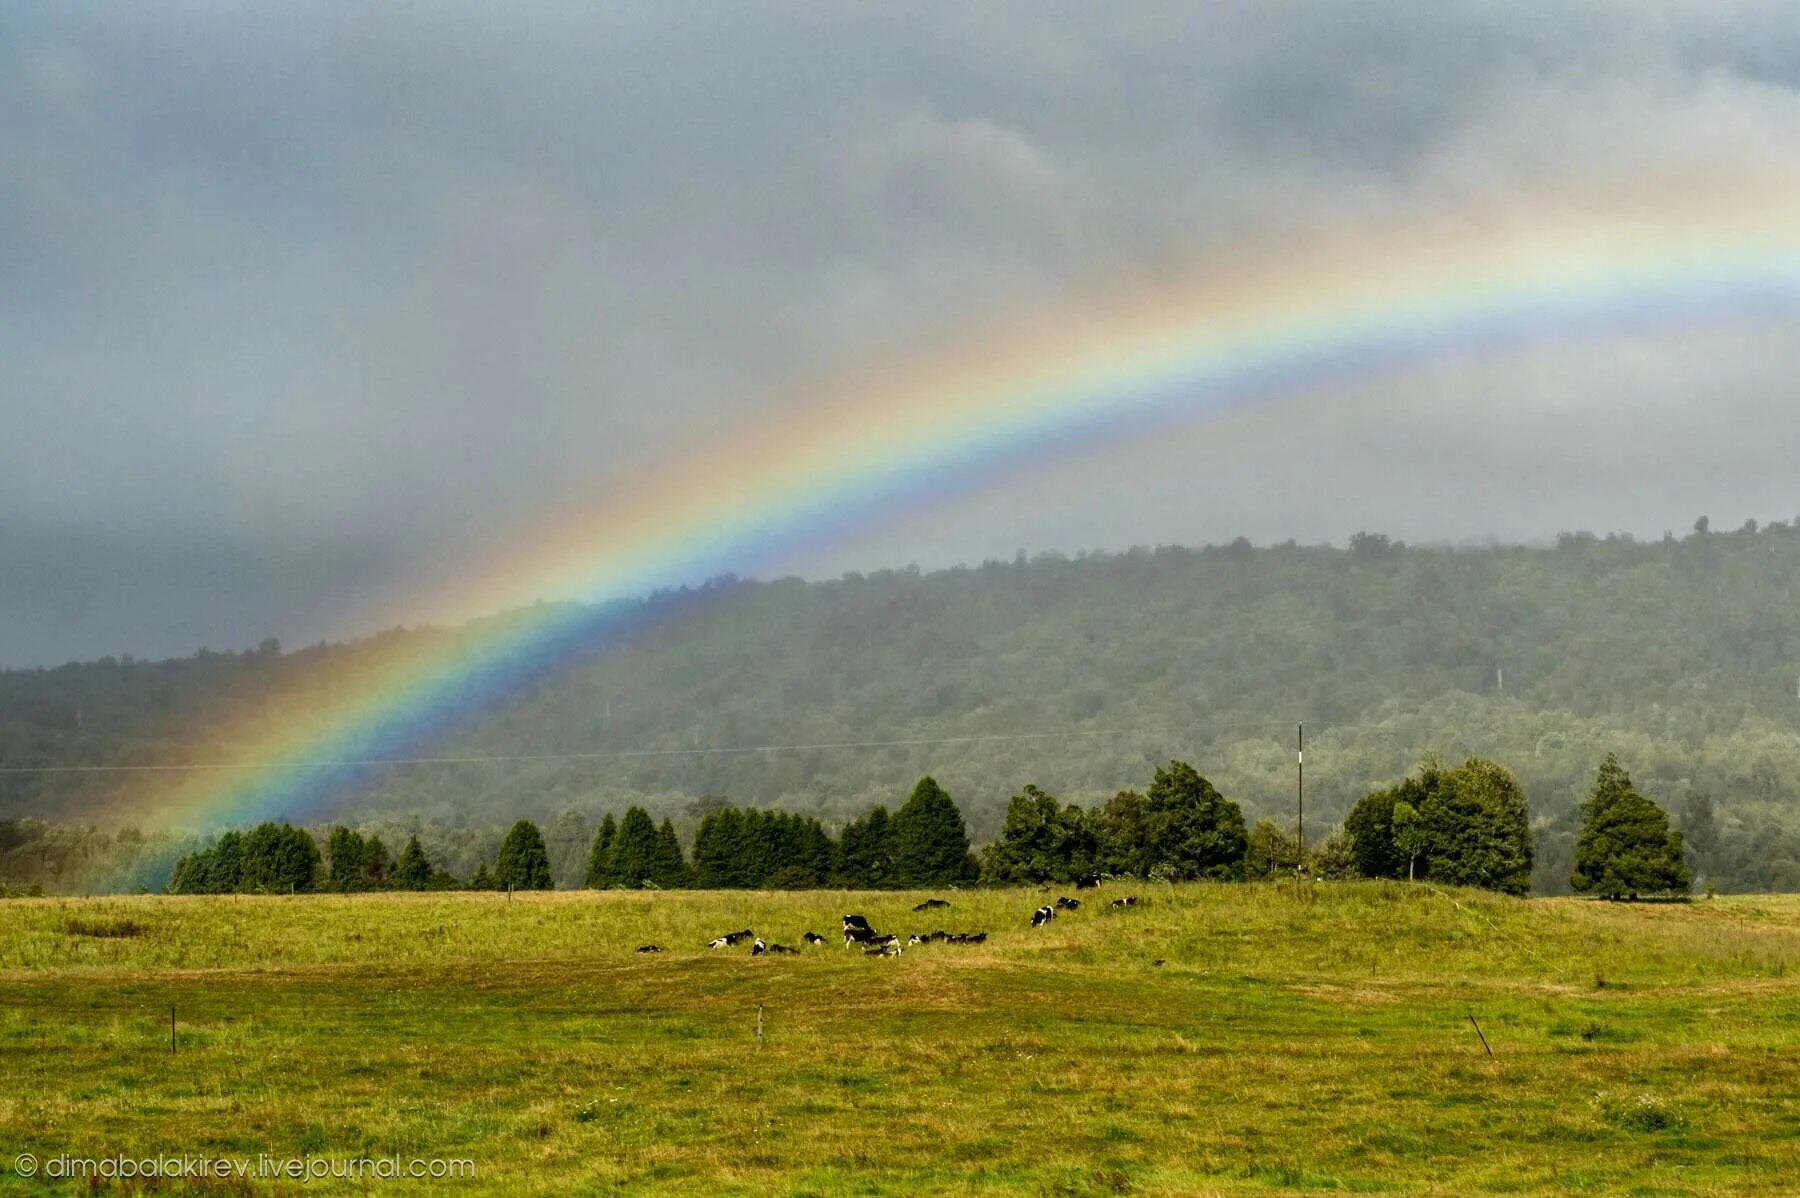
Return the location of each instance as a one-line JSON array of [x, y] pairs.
[[300, 301]]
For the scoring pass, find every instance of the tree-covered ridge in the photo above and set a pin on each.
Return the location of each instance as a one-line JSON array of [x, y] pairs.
[[1681, 655]]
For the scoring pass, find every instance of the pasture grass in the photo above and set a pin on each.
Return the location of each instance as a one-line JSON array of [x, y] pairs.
[[1295, 1039]]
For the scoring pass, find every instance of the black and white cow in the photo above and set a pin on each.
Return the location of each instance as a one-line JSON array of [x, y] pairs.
[[649, 948], [1067, 904], [732, 939], [931, 904], [813, 938], [1042, 916], [1087, 882], [759, 948], [857, 931], [1129, 900], [782, 948]]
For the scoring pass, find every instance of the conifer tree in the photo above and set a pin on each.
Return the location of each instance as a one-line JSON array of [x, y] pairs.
[[634, 849], [864, 852], [930, 841], [668, 869], [413, 870], [524, 862], [1626, 846], [599, 867], [1195, 832]]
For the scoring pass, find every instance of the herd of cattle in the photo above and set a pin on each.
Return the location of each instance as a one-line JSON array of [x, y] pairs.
[[859, 932]]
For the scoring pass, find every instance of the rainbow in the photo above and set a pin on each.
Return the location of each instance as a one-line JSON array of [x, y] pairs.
[[1311, 316]]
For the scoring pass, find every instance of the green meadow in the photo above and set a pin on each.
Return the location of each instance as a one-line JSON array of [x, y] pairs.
[[1235, 1039]]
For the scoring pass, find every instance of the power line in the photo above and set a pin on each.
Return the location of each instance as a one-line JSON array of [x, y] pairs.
[[501, 758]]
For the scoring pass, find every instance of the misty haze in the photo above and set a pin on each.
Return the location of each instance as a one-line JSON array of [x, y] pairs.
[[1239, 559]]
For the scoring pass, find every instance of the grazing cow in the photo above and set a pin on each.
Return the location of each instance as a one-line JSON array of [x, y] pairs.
[[1042, 916], [858, 931], [759, 948], [974, 937], [782, 948], [813, 938], [931, 903], [649, 948], [1067, 904], [1129, 900], [1087, 882], [886, 950]]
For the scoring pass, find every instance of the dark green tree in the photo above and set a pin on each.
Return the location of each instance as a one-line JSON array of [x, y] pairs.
[[377, 865], [344, 857], [865, 852], [1478, 829], [1370, 824], [413, 870], [1042, 841], [930, 840], [1626, 847], [719, 850], [634, 850], [524, 862], [1195, 832], [599, 867], [668, 869], [279, 859], [1126, 846]]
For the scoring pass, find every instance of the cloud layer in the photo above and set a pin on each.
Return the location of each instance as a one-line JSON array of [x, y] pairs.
[[302, 304]]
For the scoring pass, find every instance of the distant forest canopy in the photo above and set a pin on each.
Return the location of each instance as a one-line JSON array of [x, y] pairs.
[[1680, 655]]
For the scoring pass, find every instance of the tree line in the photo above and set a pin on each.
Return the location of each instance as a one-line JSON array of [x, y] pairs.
[[1467, 826], [1515, 654]]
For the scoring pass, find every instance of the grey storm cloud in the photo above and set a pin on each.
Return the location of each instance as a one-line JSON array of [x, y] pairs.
[[298, 303]]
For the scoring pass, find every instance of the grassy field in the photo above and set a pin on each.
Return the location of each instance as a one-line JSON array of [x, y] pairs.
[[1292, 1039]]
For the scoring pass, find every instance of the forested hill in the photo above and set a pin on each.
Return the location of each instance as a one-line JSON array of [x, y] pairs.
[[1683, 656]]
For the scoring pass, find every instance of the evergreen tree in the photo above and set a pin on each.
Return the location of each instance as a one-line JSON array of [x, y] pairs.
[[1477, 829], [524, 862], [482, 879], [634, 852], [279, 859], [413, 871], [377, 865], [668, 869], [344, 853], [599, 866], [1042, 841], [1126, 848], [864, 852], [214, 870], [930, 841], [1626, 846], [1196, 832], [719, 850]]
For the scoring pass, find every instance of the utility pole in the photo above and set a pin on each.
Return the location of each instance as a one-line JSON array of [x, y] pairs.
[[1300, 791]]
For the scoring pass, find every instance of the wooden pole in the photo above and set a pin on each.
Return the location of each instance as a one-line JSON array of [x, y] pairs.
[[1477, 1028], [1300, 793], [759, 1025]]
